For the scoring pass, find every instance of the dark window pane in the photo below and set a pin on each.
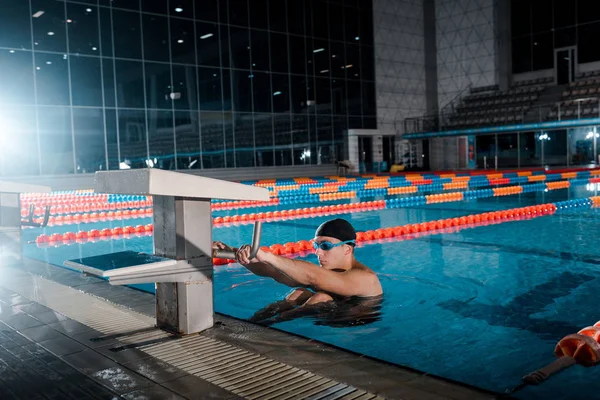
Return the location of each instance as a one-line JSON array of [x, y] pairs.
[[18, 157], [564, 37], [278, 15], [239, 47], [321, 55], [159, 86], [89, 139], [82, 23], [279, 53], [339, 98], [367, 56], [52, 79], [182, 8], [106, 46], [56, 140], [259, 14], [155, 7], [543, 51], [354, 97], [14, 25], [112, 141], [183, 48], [298, 61], [86, 81], [296, 12], [187, 140], [226, 82], [351, 24], [209, 84], [260, 50], [564, 13], [320, 19], [161, 139], [244, 140], [238, 12], [49, 29], [282, 130], [207, 10], [263, 132], [520, 17], [588, 11], [225, 46], [16, 79], [340, 126], [127, 4], [337, 61], [130, 84], [352, 66], [242, 95], [299, 130], [588, 46], [184, 92], [323, 87], [365, 15], [298, 93], [283, 156], [261, 91], [156, 38], [542, 12], [336, 22], [207, 44], [281, 93], [126, 29], [132, 138], [108, 76], [521, 54], [213, 139], [368, 95]]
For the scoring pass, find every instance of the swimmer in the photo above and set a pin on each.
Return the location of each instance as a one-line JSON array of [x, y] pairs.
[[338, 276]]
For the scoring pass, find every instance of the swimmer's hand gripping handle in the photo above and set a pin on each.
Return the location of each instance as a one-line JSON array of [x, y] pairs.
[[253, 249], [542, 374]]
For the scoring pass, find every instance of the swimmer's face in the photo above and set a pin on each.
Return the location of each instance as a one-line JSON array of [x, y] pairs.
[[333, 257]]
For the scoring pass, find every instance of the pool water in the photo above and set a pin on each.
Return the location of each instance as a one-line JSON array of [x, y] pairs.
[[482, 306]]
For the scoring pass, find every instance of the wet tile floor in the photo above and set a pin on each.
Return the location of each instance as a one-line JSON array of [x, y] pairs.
[[45, 355]]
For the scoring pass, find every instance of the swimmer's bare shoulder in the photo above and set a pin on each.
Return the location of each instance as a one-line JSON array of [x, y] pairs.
[[371, 281]]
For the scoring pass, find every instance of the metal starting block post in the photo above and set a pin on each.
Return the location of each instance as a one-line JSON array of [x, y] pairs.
[[10, 219], [182, 263]]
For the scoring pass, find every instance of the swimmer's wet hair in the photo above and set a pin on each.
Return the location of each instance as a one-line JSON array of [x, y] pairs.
[[337, 228]]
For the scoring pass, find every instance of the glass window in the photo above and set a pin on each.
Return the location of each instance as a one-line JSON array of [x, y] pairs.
[[295, 9], [187, 140], [555, 147], [213, 132], [298, 61], [336, 22], [542, 12], [337, 62], [581, 146], [239, 47], [161, 139], [320, 18], [130, 84], [323, 88], [282, 130], [543, 51], [82, 23], [339, 97], [159, 88], [353, 61], [182, 8], [278, 15], [368, 94], [321, 55], [588, 11], [281, 93], [587, 49], [300, 130], [259, 14], [183, 48], [185, 95], [225, 46], [530, 150], [351, 24], [207, 10], [108, 78], [263, 131], [521, 54], [565, 37], [127, 31], [283, 155], [155, 7], [226, 83], [18, 142], [367, 55], [365, 15], [112, 138], [56, 140], [16, 79], [244, 140], [209, 86], [132, 138], [354, 97], [260, 50], [156, 38], [127, 4], [508, 150], [238, 12], [86, 81], [15, 31], [279, 53], [90, 154], [229, 137], [49, 32], [207, 44], [298, 93], [242, 96], [564, 13], [340, 126], [261, 91], [520, 18], [106, 46], [52, 79]]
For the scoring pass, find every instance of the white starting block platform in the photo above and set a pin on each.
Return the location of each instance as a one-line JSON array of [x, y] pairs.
[[182, 263]]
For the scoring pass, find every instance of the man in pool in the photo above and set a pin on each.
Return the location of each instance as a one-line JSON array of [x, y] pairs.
[[340, 276]]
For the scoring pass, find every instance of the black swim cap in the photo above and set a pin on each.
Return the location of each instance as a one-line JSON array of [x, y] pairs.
[[337, 228]]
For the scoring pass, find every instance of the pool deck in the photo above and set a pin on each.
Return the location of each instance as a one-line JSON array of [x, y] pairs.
[[51, 349]]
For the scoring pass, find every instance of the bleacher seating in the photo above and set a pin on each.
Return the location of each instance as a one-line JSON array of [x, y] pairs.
[[581, 99], [533, 82]]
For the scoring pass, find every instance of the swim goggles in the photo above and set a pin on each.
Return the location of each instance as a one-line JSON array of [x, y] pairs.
[[326, 246]]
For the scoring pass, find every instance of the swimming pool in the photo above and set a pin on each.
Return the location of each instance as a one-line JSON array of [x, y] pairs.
[[482, 306]]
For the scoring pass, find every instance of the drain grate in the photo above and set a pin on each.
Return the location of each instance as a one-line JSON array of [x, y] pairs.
[[246, 374]]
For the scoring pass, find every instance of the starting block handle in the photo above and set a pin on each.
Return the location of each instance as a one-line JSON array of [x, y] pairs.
[[227, 254]]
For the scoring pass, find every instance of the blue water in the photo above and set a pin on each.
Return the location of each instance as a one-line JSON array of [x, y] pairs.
[[482, 306]]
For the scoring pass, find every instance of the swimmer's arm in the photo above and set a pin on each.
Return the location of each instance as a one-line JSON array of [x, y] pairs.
[[350, 283]]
